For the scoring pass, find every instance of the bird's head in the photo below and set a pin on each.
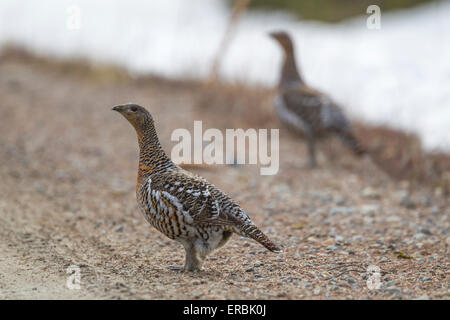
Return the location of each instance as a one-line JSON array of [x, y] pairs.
[[138, 116], [283, 39]]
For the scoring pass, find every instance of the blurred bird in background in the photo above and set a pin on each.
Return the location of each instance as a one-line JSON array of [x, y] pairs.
[[307, 110]]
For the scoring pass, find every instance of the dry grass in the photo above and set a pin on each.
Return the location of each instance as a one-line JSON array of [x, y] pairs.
[[401, 156], [80, 68]]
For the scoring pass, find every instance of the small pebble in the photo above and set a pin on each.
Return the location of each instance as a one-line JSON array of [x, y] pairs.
[[370, 209], [407, 202], [370, 193], [341, 210], [435, 211], [424, 231]]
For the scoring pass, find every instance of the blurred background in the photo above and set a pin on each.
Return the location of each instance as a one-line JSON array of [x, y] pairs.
[[398, 75]]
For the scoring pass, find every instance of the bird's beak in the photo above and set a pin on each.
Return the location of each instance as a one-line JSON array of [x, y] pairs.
[[272, 35], [118, 108]]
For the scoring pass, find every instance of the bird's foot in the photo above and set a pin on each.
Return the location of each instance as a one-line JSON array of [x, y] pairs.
[[181, 269], [191, 269]]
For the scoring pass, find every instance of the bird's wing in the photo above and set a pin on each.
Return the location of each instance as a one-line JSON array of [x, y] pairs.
[[199, 203], [304, 102], [315, 107], [333, 117], [197, 199]]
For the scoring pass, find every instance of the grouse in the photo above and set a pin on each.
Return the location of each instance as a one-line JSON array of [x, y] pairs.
[[184, 206], [307, 110]]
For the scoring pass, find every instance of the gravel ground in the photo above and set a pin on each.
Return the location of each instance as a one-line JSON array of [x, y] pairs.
[[68, 168]]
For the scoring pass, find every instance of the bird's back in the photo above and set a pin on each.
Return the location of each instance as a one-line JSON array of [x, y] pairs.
[[307, 109]]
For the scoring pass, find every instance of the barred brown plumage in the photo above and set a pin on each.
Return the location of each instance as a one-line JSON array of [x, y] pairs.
[[308, 110], [184, 206]]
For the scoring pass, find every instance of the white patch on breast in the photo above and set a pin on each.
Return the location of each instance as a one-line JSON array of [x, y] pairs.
[[218, 208], [153, 211], [326, 115], [177, 204], [155, 194]]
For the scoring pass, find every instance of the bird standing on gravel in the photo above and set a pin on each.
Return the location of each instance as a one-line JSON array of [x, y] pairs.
[[183, 206], [307, 110]]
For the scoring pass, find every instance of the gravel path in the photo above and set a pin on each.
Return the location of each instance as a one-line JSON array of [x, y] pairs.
[[68, 167]]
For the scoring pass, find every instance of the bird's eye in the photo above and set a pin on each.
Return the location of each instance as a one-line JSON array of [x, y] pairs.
[[134, 109]]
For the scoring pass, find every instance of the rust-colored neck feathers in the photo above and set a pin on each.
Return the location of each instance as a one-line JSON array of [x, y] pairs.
[[152, 157]]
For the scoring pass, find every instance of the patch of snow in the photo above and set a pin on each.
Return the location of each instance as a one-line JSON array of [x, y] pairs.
[[397, 76]]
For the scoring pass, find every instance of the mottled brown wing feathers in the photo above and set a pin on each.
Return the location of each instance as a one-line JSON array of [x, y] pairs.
[[315, 108], [207, 205], [319, 113], [305, 103], [202, 200]]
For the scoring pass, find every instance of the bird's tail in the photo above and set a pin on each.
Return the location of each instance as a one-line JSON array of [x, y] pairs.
[[251, 231], [349, 139]]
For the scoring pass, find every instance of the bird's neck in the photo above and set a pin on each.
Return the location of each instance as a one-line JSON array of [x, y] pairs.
[[152, 157], [289, 71]]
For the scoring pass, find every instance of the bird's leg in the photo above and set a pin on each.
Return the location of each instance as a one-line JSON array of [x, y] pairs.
[[194, 261], [312, 163], [331, 154]]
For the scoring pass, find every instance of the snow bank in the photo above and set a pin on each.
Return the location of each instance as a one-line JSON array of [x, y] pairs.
[[398, 76]]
